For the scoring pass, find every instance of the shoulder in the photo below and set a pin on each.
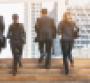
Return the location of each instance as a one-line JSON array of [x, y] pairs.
[[72, 22], [61, 22], [38, 19], [50, 18], [21, 25], [10, 26]]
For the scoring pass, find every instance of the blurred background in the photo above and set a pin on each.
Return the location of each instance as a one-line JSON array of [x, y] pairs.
[[29, 10]]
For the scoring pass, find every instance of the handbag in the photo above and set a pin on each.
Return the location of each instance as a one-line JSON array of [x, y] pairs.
[[76, 33]]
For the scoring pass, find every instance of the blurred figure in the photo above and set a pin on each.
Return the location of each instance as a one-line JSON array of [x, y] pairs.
[[66, 29], [46, 32], [17, 37], [2, 29]]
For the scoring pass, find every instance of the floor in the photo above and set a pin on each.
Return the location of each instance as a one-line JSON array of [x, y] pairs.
[[32, 72]]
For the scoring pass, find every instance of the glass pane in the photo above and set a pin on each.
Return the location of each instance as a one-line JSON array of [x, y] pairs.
[[7, 10], [81, 15]]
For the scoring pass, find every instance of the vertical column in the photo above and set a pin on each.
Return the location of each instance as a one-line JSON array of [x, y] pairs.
[[26, 28], [29, 38], [61, 9], [27, 21], [35, 13]]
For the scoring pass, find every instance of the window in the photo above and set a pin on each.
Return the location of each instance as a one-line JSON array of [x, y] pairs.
[[7, 10]]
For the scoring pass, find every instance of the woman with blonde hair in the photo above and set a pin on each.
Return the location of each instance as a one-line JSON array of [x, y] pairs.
[[66, 29]]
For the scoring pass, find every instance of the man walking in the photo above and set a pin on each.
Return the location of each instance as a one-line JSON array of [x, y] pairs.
[[46, 32], [17, 37]]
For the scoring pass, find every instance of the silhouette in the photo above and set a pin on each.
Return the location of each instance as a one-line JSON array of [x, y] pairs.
[[68, 31], [2, 37], [17, 37], [46, 32]]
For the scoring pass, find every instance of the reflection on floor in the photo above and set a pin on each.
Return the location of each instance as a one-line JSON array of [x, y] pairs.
[[33, 73]]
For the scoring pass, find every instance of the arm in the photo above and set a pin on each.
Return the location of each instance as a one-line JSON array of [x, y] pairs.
[[23, 34], [76, 27], [37, 29], [9, 33], [60, 28], [37, 26], [3, 27], [54, 28], [76, 31]]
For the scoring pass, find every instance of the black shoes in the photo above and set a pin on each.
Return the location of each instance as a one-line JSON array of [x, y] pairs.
[[41, 59], [20, 65], [66, 72], [14, 72], [47, 66]]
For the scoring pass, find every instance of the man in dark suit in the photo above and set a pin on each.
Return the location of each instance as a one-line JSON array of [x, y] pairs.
[[46, 32], [17, 37]]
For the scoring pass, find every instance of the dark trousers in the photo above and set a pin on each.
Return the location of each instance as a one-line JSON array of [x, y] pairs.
[[66, 46], [17, 54], [45, 50]]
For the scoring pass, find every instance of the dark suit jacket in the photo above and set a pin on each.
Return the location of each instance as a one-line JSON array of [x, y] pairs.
[[45, 28], [16, 34]]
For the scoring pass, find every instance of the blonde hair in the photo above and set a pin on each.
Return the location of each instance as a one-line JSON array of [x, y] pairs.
[[65, 16]]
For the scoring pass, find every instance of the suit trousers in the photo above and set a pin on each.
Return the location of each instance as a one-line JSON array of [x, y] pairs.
[[45, 50], [17, 54]]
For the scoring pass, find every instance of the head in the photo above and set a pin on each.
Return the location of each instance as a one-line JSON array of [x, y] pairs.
[[43, 12], [67, 16], [15, 18]]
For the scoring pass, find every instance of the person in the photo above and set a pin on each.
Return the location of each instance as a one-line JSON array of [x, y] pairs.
[[46, 32], [17, 37], [2, 29], [66, 29]]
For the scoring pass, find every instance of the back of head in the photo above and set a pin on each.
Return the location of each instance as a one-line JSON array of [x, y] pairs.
[[15, 18], [44, 12], [67, 16]]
